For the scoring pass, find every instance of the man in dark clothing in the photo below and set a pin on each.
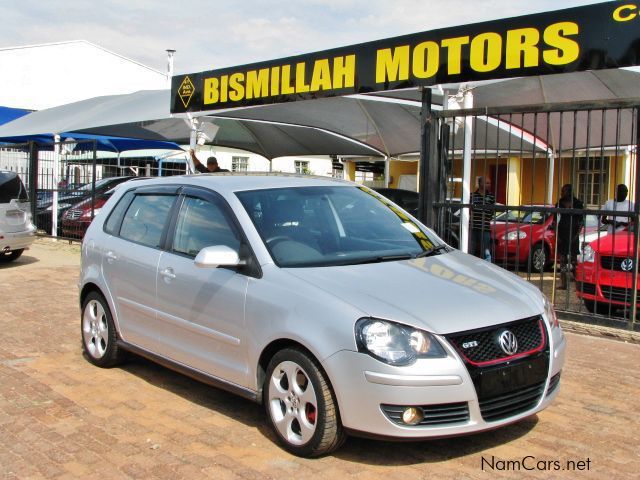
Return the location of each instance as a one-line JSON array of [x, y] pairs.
[[568, 236], [481, 220], [212, 164]]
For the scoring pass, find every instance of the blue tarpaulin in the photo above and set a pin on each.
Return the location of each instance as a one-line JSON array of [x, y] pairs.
[[103, 143]]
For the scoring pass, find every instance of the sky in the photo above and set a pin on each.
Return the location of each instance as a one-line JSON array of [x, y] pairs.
[[211, 34]]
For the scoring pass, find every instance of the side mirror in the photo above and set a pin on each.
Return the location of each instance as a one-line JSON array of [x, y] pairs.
[[217, 256]]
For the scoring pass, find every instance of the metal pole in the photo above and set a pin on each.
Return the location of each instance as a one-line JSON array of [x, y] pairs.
[[170, 54], [55, 180], [428, 179], [466, 173], [33, 177], [386, 172], [636, 211]]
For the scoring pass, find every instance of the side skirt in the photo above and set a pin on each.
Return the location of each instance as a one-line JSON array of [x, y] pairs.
[[190, 372]]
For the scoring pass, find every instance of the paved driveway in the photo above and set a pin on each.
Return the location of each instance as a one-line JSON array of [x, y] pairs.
[[62, 418]]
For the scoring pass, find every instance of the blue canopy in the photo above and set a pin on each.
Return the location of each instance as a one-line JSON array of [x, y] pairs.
[[103, 143]]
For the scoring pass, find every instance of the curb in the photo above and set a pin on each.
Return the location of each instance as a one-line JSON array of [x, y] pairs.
[[626, 336]]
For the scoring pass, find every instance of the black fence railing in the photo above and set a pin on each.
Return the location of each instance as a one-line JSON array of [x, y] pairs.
[[550, 193]]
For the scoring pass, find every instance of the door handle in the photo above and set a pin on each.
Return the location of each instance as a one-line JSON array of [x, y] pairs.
[[168, 273], [111, 256]]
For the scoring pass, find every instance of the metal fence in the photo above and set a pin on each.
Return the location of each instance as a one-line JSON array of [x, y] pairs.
[[579, 248], [68, 182]]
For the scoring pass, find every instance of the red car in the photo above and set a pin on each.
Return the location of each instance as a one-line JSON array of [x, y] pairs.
[[529, 238], [604, 273], [76, 220]]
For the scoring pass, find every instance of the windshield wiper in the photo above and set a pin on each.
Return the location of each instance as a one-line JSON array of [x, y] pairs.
[[379, 259], [432, 251]]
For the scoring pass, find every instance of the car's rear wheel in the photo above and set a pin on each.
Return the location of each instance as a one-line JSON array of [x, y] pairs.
[[301, 405], [10, 256], [99, 333], [598, 308]]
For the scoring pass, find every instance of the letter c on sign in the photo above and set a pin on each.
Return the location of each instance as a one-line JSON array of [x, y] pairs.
[[625, 13]]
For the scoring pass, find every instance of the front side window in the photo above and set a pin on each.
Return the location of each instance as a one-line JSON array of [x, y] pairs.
[[145, 219], [202, 223], [337, 225]]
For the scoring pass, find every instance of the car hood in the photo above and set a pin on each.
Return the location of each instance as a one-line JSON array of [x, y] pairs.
[[620, 244], [503, 227], [445, 293]]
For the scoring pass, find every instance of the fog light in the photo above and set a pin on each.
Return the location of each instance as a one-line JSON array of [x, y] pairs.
[[412, 415]]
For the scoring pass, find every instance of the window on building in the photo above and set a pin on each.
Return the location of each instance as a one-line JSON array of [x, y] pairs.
[[302, 167], [239, 164], [593, 180]]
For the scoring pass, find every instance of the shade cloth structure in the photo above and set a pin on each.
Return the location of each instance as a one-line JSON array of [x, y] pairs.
[[145, 115], [589, 86], [7, 114]]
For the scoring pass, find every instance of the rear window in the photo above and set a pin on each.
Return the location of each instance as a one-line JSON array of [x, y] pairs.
[[12, 188]]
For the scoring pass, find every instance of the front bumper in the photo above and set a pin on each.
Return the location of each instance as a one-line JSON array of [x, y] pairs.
[[364, 385], [604, 286], [17, 240]]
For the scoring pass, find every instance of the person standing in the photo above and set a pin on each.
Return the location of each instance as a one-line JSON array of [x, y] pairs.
[[568, 237], [212, 164], [619, 204], [481, 219]]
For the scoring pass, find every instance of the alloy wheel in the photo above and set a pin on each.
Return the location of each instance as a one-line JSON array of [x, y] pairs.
[[95, 329]]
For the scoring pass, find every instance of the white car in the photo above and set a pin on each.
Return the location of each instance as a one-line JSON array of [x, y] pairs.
[[322, 300], [16, 230]]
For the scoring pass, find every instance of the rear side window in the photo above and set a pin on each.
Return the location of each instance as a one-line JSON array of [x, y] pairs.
[[202, 223], [145, 219], [12, 188], [115, 217]]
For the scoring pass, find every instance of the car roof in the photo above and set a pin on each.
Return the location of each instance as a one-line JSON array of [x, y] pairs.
[[233, 182]]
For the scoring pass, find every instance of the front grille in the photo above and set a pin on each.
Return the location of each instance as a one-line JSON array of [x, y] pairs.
[[73, 214], [617, 294], [553, 383], [588, 288], [615, 263], [482, 346], [434, 415], [512, 403]]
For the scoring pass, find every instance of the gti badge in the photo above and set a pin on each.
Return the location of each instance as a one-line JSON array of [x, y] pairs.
[[627, 264], [470, 344], [508, 342]]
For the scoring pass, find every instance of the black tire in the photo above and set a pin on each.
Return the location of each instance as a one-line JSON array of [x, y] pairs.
[[538, 258], [98, 332], [328, 434], [10, 256], [598, 308]]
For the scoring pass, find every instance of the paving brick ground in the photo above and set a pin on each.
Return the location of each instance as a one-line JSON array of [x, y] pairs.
[[62, 418]]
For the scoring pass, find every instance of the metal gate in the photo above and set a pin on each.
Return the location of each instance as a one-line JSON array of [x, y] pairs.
[[68, 182], [552, 209]]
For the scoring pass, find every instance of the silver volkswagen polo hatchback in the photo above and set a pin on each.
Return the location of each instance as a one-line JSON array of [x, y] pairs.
[[319, 298]]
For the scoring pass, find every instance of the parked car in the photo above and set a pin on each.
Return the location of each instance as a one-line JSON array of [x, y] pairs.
[[405, 199], [16, 230], [69, 198], [604, 273], [317, 299], [77, 219], [529, 238]]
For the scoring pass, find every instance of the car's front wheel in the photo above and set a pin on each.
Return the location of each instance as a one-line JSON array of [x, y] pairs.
[[99, 333], [301, 405], [10, 256]]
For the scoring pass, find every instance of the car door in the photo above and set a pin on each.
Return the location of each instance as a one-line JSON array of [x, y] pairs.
[[202, 309], [130, 262]]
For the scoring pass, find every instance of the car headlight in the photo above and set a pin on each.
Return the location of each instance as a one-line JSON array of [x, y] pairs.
[[394, 343], [515, 235], [550, 313], [588, 254]]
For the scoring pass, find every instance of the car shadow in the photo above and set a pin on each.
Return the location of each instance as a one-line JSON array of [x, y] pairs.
[[23, 260], [358, 450]]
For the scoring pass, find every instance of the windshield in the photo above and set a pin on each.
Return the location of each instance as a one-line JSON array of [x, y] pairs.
[[514, 216], [336, 225]]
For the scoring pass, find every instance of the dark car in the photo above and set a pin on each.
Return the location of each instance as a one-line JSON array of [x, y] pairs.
[[69, 198], [406, 199]]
